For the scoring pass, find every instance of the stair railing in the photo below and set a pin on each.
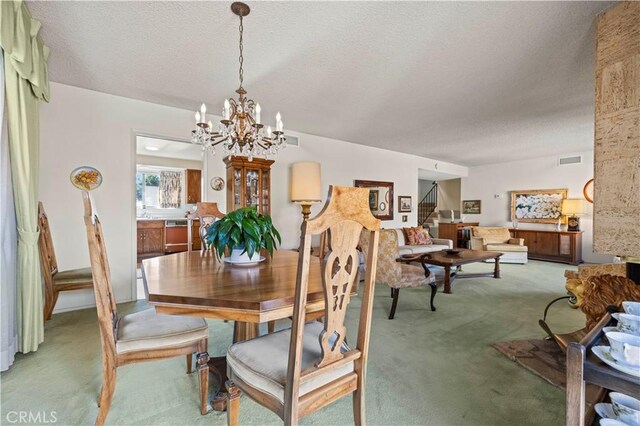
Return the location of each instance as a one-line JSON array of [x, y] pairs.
[[428, 205]]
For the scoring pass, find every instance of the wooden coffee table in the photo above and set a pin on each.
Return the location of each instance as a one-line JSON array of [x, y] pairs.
[[449, 261]]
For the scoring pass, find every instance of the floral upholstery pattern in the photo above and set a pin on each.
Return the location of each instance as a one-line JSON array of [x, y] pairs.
[[417, 236], [389, 271]]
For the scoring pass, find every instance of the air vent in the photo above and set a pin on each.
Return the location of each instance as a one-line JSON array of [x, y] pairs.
[[292, 140], [573, 159]]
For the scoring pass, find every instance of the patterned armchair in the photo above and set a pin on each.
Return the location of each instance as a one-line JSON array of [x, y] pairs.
[[395, 273]]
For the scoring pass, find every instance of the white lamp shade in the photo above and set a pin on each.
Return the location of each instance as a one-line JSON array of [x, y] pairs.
[[572, 207], [306, 183]]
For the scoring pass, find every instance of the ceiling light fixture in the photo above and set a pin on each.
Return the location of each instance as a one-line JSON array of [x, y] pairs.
[[240, 131]]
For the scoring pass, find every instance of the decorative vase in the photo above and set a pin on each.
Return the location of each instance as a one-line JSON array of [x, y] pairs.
[[237, 256]]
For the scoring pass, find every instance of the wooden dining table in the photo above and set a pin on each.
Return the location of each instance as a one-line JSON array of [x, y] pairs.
[[200, 285]]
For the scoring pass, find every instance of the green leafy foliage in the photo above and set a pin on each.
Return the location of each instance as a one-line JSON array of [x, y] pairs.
[[245, 228]]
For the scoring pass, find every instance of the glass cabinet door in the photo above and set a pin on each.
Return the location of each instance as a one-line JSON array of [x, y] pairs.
[[252, 189], [264, 201], [237, 188]]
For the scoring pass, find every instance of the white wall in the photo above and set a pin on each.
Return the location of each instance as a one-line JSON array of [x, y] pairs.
[[492, 185], [449, 194], [424, 186], [83, 127]]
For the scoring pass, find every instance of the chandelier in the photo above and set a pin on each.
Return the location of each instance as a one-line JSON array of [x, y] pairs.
[[240, 132]]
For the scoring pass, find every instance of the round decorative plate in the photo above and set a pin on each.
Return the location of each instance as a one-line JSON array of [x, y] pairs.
[[217, 183], [587, 191], [86, 178], [382, 207]]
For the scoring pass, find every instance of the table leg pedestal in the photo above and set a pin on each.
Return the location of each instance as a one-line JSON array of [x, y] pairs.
[[447, 279], [496, 269]]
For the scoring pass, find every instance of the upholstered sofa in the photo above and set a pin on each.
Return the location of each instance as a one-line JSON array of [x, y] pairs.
[[499, 239], [438, 245]]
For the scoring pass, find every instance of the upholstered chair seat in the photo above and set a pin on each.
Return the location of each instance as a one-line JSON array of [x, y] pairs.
[[73, 276], [147, 330], [262, 362], [507, 248]]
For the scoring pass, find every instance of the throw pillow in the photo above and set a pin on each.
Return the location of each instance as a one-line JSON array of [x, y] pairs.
[[417, 236], [410, 236], [422, 237]]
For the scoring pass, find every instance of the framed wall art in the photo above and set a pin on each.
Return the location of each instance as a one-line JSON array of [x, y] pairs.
[[471, 206], [404, 204], [380, 197], [537, 205]]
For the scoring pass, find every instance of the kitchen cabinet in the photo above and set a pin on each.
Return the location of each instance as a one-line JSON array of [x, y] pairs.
[[177, 238], [150, 238], [248, 183], [193, 183]]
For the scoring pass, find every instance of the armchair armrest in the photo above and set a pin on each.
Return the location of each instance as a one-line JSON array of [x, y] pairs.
[[409, 258], [516, 241], [443, 242], [477, 243]]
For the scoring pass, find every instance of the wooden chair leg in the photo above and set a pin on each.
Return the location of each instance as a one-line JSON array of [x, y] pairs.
[[49, 305], [434, 290], [106, 394], [203, 380], [233, 403], [358, 407], [271, 327], [391, 292], [396, 292], [189, 363]]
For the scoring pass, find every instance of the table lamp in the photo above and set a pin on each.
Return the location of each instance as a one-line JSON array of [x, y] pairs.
[[573, 208], [306, 185]]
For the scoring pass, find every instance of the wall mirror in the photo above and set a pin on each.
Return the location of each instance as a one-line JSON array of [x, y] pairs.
[[380, 198]]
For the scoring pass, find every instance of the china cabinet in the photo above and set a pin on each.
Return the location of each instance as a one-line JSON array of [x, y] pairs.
[[248, 183]]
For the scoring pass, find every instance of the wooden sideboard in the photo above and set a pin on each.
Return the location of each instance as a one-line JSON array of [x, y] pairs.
[[454, 232], [556, 246]]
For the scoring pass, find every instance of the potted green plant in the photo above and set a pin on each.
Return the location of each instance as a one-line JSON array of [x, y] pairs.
[[243, 232]]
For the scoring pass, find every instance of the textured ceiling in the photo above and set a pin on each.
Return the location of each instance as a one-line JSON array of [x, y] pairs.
[[155, 147], [470, 83]]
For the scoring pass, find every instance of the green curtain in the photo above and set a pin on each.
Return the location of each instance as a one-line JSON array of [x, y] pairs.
[[26, 84]]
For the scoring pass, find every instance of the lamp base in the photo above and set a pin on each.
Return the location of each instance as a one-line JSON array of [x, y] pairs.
[[306, 211], [573, 223]]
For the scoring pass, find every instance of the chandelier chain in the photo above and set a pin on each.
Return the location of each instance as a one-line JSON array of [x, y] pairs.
[[241, 58], [240, 131]]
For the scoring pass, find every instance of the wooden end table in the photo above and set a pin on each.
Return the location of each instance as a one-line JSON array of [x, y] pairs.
[[465, 256]]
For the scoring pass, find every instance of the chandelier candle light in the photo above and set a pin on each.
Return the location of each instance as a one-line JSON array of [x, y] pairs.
[[240, 131]]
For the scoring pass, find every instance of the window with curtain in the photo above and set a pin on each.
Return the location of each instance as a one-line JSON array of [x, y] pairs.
[[159, 188], [170, 189]]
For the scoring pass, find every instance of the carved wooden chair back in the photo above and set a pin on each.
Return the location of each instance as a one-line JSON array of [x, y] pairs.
[[343, 218], [47, 253], [207, 213], [105, 300]]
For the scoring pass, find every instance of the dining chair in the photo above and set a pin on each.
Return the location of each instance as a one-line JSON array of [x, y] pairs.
[[296, 371], [396, 271], [206, 213], [140, 336], [56, 281]]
